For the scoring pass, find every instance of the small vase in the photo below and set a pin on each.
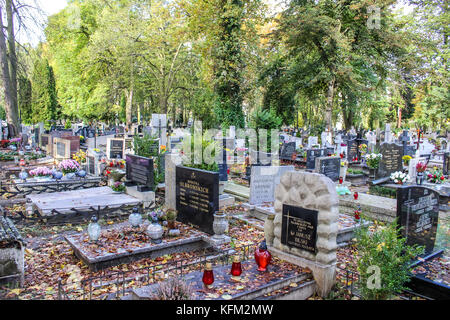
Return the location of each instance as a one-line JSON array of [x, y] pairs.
[[372, 173], [419, 178]]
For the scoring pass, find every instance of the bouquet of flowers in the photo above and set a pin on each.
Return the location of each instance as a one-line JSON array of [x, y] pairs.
[[406, 159], [373, 160], [80, 156], [68, 166], [399, 177], [363, 148], [41, 172], [421, 167], [436, 176], [118, 187]]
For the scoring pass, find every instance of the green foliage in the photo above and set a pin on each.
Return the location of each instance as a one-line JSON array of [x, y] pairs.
[[43, 93], [384, 249], [2, 113], [147, 146], [383, 191], [24, 100], [206, 144]]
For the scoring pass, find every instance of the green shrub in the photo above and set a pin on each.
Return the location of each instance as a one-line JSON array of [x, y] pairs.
[[383, 248]]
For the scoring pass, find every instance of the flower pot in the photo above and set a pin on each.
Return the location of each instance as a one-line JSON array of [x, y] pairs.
[[372, 173]]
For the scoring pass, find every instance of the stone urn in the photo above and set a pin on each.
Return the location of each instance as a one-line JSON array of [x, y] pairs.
[[220, 225]]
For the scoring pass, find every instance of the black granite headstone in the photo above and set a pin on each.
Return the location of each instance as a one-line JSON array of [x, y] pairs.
[[299, 228], [197, 197], [330, 167], [352, 149], [287, 150], [418, 213], [391, 160], [140, 172], [311, 156]]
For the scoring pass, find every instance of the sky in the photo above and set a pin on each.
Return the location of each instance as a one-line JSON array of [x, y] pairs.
[[51, 7]]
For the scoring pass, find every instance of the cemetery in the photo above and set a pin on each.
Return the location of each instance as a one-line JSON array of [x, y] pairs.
[[205, 178]]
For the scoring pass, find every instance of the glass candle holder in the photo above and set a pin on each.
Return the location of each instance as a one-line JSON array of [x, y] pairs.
[[208, 276], [236, 268]]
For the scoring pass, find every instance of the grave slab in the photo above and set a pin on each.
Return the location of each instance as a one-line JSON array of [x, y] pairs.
[[80, 199], [113, 249]]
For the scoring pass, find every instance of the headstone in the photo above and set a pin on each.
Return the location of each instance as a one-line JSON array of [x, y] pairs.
[[299, 228], [287, 150], [115, 148], [446, 165], [159, 127], [263, 181], [391, 160], [418, 213], [312, 141], [305, 226], [329, 166], [387, 133], [197, 197], [140, 172], [61, 149], [352, 149], [412, 171], [311, 156]]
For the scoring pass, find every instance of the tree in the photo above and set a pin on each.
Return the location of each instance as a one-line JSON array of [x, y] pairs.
[[25, 100], [43, 94]]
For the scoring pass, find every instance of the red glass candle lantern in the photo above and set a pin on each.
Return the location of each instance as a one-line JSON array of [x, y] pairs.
[[22, 163], [208, 276], [356, 195], [357, 215], [262, 256], [236, 268], [341, 180]]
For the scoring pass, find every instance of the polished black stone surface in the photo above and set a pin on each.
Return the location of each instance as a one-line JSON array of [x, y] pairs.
[[418, 213], [287, 150], [311, 156], [140, 171], [330, 167], [299, 228], [197, 197], [116, 149], [392, 159]]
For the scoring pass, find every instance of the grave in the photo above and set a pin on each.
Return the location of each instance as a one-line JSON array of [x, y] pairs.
[[316, 201], [115, 148], [446, 165], [111, 251], [197, 197], [391, 161], [352, 150], [62, 148], [11, 253], [329, 167], [65, 201], [287, 151]]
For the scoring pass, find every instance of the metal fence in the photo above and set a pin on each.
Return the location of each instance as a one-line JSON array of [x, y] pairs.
[[114, 285]]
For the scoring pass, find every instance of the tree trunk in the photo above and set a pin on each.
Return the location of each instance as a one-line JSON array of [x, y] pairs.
[[399, 112], [329, 108], [128, 107], [10, 108], [12, 56]]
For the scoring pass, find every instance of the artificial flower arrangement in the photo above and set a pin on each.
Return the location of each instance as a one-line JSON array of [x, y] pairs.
[[373, 160], [41, 172], [4, 143], [118, 187], [436, 176], [399, 177], [69, 166], [421, 167], [406, 159], [344, 163]]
